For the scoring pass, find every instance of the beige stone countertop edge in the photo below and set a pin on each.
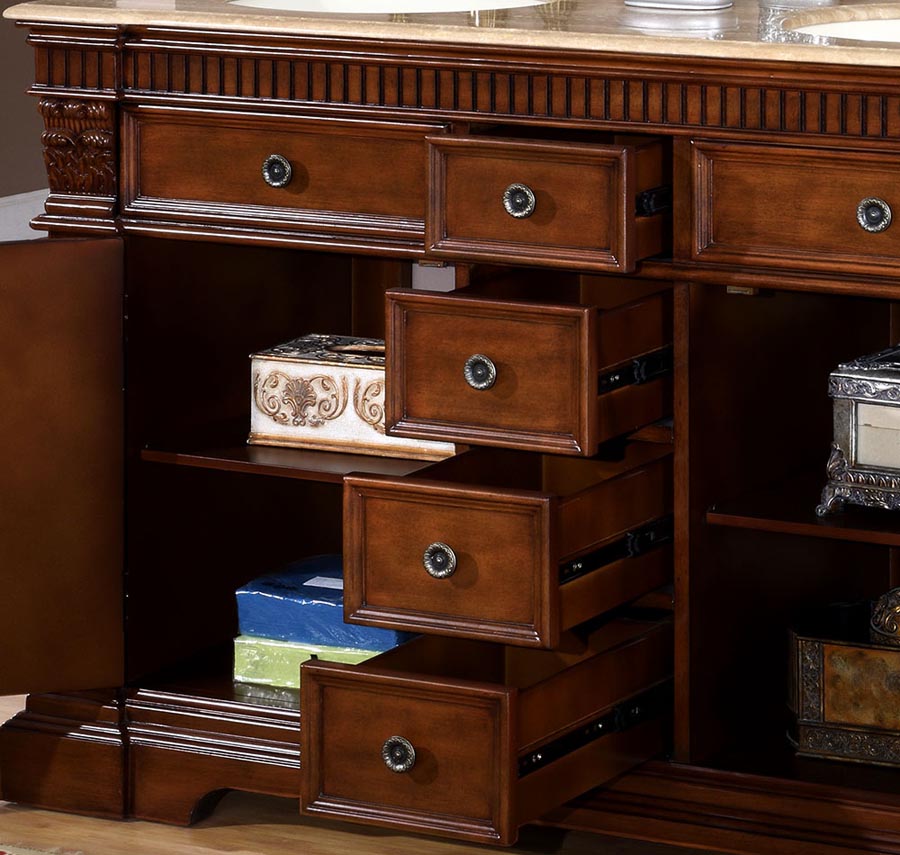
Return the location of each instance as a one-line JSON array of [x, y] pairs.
[[675, 46]]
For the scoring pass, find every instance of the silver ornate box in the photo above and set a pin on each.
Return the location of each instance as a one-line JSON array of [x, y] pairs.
[[326, 392], [864, 466]]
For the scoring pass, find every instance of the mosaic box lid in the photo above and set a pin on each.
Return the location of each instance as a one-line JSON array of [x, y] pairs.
[[321, 349]]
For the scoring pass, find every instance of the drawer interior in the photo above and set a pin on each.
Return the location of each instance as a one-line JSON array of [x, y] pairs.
[[634, 317], [512, 667], [565, 477]]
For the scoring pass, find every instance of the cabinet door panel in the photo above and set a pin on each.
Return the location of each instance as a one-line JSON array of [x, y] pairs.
[[61, 465]]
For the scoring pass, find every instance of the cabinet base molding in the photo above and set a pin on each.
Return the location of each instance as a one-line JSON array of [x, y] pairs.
[[739, 813], [167, 757], [185, 752], [66, 752]]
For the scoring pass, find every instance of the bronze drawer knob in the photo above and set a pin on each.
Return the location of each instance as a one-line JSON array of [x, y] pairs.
[[480, 371], [398, 754], [276, 171], [519, 201], [439, 560], [874, 215]]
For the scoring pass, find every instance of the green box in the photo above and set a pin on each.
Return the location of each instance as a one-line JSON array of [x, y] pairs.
[[268, 662]]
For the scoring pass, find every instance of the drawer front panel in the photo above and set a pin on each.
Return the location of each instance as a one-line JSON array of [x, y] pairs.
[[546, 393], [813, 224], [490, 737], [503, 586], [507, 546], [208, 166], [544, 358], [461, 775], [583, 202]]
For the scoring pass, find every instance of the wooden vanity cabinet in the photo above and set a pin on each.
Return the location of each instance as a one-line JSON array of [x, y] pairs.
[[122, 549]]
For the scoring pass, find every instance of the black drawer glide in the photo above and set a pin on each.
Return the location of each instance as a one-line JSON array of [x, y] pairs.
[[643, 369], [650, 704], [634, 543], [654, 201]]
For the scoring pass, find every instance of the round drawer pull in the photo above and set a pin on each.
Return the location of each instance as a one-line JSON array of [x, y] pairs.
[[874, 215], [480, 371], [398, 754], [276, 171], [519, 201], [439, 560]]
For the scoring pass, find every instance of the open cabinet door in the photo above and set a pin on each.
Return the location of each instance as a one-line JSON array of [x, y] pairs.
[[61, 465]]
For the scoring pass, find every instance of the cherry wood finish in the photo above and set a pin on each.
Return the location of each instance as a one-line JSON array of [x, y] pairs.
[[470, 713], [790, 507], [585, 199], [549, 358], [815, 224], [240, 744], [61, 470], [509, 542], [748, 410], [205, 167], [67, 752]]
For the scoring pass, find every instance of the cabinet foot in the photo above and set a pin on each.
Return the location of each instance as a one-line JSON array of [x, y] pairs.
[[185, 753], [66, 752]]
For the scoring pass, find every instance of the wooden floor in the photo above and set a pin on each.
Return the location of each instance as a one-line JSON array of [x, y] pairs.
[[245, 824]]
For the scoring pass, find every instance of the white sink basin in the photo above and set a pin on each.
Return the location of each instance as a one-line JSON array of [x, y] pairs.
[[387, 7], [872, 30]]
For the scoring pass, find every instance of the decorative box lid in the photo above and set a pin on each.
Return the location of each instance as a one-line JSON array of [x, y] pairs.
[[875, 376], [320, 349]]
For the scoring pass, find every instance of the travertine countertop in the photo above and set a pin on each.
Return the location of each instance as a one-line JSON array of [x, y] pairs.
[[748, 29]]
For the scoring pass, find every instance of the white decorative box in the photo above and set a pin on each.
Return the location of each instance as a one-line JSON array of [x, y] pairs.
[[326, 392]]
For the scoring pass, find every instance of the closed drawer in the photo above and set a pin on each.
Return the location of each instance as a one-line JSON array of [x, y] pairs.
[[793, 207], [561, 377], [207, 167], [506, 546], [473, 740], [549, 203]]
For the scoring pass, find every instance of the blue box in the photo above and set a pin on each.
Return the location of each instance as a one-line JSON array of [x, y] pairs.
[[304, 603]]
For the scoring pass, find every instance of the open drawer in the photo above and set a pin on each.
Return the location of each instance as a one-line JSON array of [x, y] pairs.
[[507, 546], [592, 201], [473, 740], [549, 375]]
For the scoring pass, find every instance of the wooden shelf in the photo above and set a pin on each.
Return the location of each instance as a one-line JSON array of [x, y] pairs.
[[207, 677], [329, 466], [790, 508]]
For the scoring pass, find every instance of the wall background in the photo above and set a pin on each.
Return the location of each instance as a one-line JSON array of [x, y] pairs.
[[21, 162]]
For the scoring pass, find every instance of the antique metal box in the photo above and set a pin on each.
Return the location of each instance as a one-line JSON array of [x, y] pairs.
[[864, 466], [326, 392], [845, 688]]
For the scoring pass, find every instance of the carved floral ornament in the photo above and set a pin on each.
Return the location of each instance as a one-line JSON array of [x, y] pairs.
[[79, 146], [318, 399], [811, 680], [871, 488], [885, 622], [854, 387], [860, 745]]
